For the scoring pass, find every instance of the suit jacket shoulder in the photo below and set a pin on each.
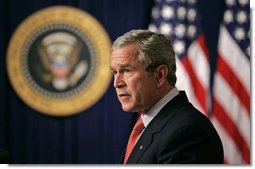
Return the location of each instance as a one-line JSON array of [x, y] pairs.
[[178, 134]]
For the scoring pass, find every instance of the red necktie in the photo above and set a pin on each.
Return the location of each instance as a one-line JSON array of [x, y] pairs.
[[138, 128]]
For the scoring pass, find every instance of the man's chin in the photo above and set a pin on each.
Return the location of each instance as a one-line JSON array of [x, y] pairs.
[[127, 109]]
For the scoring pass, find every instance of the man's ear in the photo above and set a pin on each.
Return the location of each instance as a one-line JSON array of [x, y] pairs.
[[161, 75]]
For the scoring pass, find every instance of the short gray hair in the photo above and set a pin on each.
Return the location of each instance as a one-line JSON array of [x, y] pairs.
[[154, 50]]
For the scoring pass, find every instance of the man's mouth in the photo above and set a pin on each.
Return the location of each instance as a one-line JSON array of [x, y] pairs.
[[123, 95]]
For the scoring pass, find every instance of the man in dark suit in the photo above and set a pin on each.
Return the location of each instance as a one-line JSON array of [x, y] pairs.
[[171, 130]]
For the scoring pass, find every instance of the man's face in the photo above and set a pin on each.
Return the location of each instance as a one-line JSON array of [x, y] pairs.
[[135, 87]]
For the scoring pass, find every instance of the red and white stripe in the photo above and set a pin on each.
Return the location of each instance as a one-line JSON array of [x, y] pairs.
[[231, 99], [193, 73]]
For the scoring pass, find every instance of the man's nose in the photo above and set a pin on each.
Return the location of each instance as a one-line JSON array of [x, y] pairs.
[[118, 81]]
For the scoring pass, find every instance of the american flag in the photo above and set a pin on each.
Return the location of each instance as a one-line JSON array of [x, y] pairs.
[[229, 109], [180, 21], [231, 90]]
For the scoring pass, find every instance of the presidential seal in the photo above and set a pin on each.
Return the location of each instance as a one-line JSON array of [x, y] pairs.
[[58, 61]]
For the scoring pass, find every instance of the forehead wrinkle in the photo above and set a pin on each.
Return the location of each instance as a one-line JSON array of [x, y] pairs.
[[125, 65], [122, 66], [124, 57]]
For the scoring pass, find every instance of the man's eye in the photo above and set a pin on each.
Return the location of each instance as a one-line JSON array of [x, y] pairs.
[[127, 70], [114, 72]]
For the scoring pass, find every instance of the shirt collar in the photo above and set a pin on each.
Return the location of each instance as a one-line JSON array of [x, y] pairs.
[[157, 107]]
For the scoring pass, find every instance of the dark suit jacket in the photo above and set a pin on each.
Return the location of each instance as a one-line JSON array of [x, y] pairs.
[[179, 134]]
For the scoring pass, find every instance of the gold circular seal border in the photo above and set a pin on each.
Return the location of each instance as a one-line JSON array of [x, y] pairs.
[[96, 87]]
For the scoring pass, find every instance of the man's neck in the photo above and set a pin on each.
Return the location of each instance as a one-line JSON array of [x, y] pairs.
[[162, 92]]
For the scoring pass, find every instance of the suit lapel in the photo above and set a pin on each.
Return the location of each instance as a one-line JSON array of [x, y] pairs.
[[140, 147], [156, 126]]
